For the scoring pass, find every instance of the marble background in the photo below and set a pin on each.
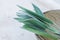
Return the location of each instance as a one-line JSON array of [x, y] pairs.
[[10, 29]]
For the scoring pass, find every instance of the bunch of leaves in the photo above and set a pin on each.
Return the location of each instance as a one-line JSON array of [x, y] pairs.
[[37, 23]]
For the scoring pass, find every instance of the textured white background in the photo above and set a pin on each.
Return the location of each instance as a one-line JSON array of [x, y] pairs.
[[10, 28]]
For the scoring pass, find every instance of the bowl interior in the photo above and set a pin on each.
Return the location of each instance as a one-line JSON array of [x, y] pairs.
[[54, 15]]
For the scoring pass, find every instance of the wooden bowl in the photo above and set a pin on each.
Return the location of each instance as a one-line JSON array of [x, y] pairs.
[[53, 15]]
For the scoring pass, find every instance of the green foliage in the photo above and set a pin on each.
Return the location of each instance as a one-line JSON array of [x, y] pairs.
[[37, 23], [37, 10]]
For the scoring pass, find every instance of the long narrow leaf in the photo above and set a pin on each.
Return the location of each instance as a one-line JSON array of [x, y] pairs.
[[35, 27], [36, 23], [37, 10], [42, 25], [36, 15], [39, 32]]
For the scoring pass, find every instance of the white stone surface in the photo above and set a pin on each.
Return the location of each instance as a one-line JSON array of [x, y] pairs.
[[10, 29]]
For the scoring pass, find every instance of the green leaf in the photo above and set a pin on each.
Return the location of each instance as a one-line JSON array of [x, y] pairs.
[[24, 16], [37, 10], [40, 25], [34, 26], [21, 19], [42, 33], [37, 23], [39, 17]]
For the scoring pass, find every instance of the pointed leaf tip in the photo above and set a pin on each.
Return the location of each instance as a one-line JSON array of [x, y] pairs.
[[37, 10]]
